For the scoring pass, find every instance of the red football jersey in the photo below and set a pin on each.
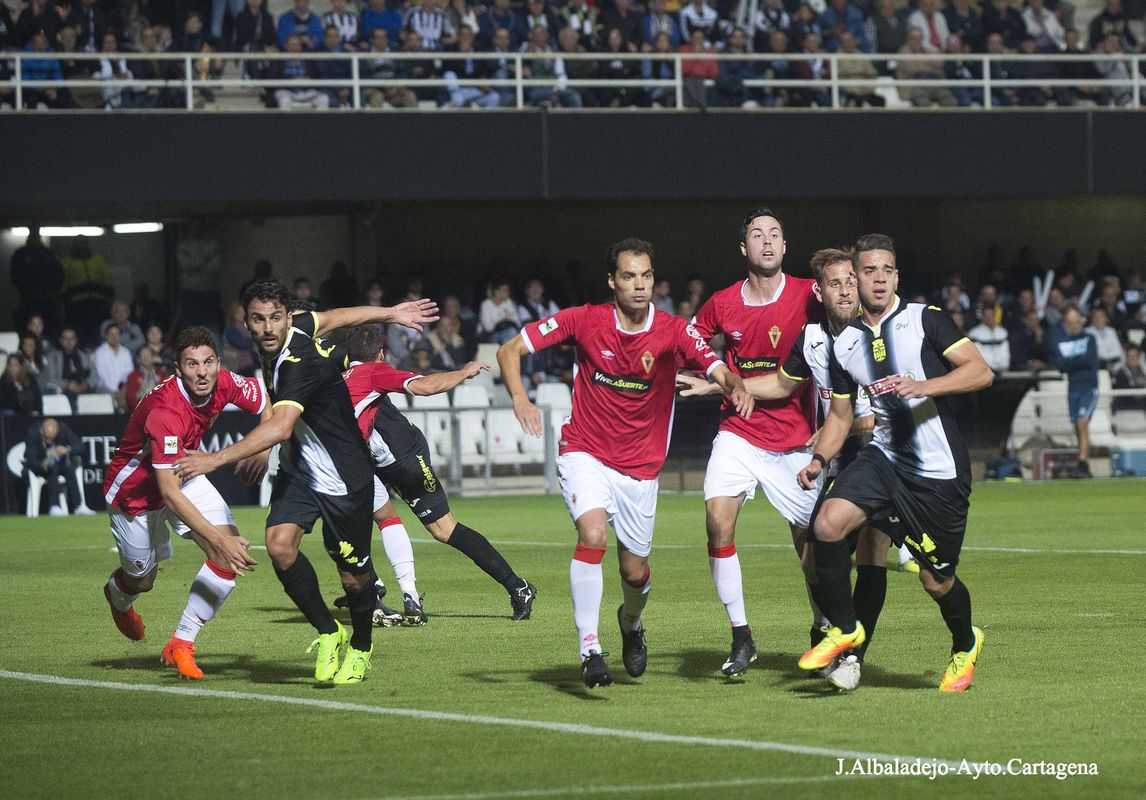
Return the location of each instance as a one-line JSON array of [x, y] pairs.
[[624, 386], [757, 339], [162, 427], [368, 385]]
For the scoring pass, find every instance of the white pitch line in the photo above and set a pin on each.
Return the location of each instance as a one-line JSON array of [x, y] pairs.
[[573, 791], [477, 719]]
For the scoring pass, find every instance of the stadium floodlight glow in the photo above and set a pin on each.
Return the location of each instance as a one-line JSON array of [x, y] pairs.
[[138, 227], [23, 232], [72, 230]]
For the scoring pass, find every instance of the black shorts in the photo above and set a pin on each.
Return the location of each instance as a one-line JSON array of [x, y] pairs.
[[887, 522], [412, 478], [928, 514], [347, 520]]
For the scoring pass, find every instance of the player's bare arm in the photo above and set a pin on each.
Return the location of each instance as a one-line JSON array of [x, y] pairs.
[[690, 385], [220, 546], [773, 386], [411, 314], [971, 374], [733, 386], [836, 429], [251, 470], [265, 436], [861, 426], [444, 381], [509, 357]]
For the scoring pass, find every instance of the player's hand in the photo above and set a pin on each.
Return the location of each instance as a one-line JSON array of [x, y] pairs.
[[743, 402], [231, 552], [473, 368], [808, 475], [251, 470], [415, 313], [908, 388], [528, 415], [693, 386], [194, 463], [813, 439]]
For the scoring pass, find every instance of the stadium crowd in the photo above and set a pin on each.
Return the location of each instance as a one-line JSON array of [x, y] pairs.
[[85, 39]]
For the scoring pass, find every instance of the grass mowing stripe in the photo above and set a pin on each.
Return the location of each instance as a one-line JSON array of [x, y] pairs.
[[573, 791], [445, 716]]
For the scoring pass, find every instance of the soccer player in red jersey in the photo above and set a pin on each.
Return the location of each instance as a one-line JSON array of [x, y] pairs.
[[760, 318], [615, 440], [145, 498]]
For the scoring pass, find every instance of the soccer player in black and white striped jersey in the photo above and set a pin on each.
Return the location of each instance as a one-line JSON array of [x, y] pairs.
[[429, 22]]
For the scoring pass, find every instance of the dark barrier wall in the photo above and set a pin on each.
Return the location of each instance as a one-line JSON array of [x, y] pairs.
[[100, 435], [184, 163]]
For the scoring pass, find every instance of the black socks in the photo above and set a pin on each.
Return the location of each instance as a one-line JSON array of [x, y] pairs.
[[301, 585], [955, 606], [478, 548], [868, 597], [833, 583]]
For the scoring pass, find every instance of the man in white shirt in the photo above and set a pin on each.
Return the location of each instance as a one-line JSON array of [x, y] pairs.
[[111, 362], [991, 339]]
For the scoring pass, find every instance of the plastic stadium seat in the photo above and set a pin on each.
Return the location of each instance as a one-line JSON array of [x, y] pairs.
[[1101, 433], [57, 405], [487, 353], [1130, 420], [469, 396], [429, 401], [95, 404], [401, 400], [9, 341], [471, 423], [555, 395], [504, 436]]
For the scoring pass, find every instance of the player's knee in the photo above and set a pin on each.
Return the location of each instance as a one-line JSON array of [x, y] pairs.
[[635, 574], [281, 551], [355, 583], [935, 586], [592, 537], [442, 529], [144, 583], [826, 529]]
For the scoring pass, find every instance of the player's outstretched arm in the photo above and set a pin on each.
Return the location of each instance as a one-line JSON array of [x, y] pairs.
[[733, 386], [412, 314], [444, 381], [251, 469], [509, 357], [220, 546], [265, 436], [836, 429], [971, 374], [690, 385]]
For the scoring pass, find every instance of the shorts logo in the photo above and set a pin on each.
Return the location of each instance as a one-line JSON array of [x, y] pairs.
[[647, 361], [622, 383], [774, 336], [926, 546], [430, 482], [878, 350], [170, 445], [548, 326]]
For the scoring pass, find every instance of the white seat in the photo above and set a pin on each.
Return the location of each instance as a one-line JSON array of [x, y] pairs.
[[430, 401], [487, 353], [95, 404], [468, 395], [1129, 420], [555, 395], [505, 436], [9, 341], [268, 480], [1101, 432], [57, 405], [471, 422], [401, 400]]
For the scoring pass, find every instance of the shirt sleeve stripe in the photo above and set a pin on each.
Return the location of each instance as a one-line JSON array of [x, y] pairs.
[[841, 396], [528, 344], [162, 466], [289, 403], [791, 377], [952, 347], [712, 367]]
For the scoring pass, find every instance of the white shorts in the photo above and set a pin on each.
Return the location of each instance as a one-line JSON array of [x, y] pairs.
[[630, 504], [736, 466], [144, 541], [381, 496]]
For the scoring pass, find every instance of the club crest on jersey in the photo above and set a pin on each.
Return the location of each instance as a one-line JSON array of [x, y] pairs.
[[548, 326], [647, 361], [878, 350], [774, 336], [170, 445]]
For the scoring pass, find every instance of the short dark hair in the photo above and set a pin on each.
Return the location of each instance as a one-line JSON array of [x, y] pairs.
[[762, 211], [822, 259], [874, 241], [267, 290], [364, 342], [638, 247], [195, 336], [112, 325]]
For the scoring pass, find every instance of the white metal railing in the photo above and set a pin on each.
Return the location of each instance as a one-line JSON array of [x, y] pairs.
[[193, 74]]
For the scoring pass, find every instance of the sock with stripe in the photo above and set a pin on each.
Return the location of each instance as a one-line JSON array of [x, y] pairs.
[[586, 585], [208, 591], [396, 543], [301, 585], [482, 553], [121, 598], [724, 564], [635, 599]]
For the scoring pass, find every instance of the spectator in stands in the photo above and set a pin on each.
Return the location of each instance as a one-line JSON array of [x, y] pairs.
[[697, 15], [52, 451], [989, 298], [1001, 17], [770, 16], [963, 68], [912, 69], [498, 320], [1105, 337], [1129, 374], [379, 15], [1030, 68], [803, 22], [449, 348], [35, 329], [579, 69], [889, 27], [858, 69], [7, 28], [131, 334], [733, 72], [303, 289], [1028, 349], [301, 22], [147, 374], [194, 35], [991, 339], [373, 294], [696, 71], [1000, 71], [35, 359], [38, 277], [19, 390], [239, 353], [959, 318], [623, 69], [426, 20], [93, 23], [1112, 20], [686, 309], [461, 13], [418, 69], [505, 67], [220, 10], [42, 68], [455, 69], [1076, 356], [38, 14], [662, 296], [777, 69], [381, 67], [932, 24], [69, 369], [255, 30], [1014, 313], [556, 92], [466, 319], [662, 67], [659, 21], [339, 290], [420, 359], [345, 21], [330, 69], [1056, 305], [622, 17], [500, 16], [155, 69], [88, 290], [1110, 300], [1044, 26], [163, 352], [582, 18], [819, 69], [1133, 295], [75, 66], [535, 305], [537, 16], [965, 21], [111, 364], [1080, 72], [1121, 93]]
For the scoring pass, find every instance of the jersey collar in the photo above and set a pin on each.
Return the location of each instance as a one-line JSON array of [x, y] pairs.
[[187, 396], [896, 306], [775, 297], [648, 322]]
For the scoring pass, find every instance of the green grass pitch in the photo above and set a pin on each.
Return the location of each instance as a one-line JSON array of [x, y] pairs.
[[497, 709]]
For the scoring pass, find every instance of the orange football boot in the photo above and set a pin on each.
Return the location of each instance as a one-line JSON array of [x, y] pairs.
[[180, 654], [129, 622]]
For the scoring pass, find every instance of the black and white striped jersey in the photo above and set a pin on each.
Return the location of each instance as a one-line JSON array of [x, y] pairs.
[[430, 25], [918, 435]]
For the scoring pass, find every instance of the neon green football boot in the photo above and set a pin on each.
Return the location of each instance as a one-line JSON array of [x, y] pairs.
[[328, 646]]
